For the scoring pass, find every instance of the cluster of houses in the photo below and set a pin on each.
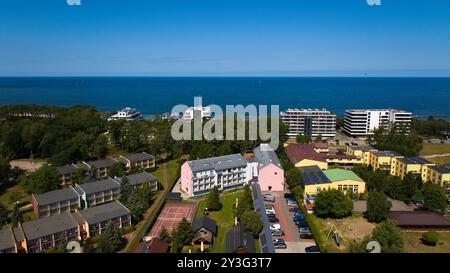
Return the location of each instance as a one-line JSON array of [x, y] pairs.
[[78, 211], [99, 168]]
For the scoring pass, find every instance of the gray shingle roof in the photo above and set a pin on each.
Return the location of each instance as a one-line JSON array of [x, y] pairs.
[[55, 196], [414, 160], [386, 153], [237, 237], [313, 175], [219, 163], [67, 169], [265, 155], [98, 186], [138, 157], [48, 225], [102, 163], [205, 222], [441, 169], [140, 178], [362, 147], [104, 212], [6, 239]]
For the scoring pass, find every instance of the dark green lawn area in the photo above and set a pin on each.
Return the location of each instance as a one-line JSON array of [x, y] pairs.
[[414, 245], [9, 196], [224, 219]]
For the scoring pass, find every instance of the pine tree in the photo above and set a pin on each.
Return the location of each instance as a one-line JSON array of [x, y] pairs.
[[164, 235], [213, 200]]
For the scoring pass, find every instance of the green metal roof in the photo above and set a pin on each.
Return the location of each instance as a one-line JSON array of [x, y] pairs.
[[341, 174]]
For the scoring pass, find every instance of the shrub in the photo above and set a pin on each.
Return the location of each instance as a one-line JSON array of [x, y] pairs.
[[430, 238]]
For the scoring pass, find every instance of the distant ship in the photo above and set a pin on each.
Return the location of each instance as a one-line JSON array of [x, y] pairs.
[[128, 114]]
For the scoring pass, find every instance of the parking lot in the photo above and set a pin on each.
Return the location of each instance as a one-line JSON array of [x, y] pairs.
[[291, 237]]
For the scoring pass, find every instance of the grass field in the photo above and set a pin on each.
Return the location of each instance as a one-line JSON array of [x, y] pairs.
[[224, 219], [13, 194], [414, 245], [441, 160], [433, 149]]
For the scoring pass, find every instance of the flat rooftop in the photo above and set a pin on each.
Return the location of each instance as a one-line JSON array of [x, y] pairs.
[[415, 160]]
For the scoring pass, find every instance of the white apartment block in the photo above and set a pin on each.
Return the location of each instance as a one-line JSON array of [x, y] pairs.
[[313, 122], [363, 122]]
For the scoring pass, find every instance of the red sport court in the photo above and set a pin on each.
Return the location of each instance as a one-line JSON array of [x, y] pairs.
[[171, 215]]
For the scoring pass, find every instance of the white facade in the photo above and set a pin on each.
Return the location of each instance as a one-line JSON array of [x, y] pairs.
[[313, 122], [128, 114], [363, 122]]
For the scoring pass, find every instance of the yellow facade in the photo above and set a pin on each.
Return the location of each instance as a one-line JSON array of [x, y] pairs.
[[344, 161], [363, 154], [404, 168], [309, 162], [344, 185], [435, 176]]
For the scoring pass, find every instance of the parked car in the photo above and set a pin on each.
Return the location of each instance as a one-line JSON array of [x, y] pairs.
[[270, 210], [419, 203], [409, 202], [269, 198], [280, 246], [312, 249], [294, 209], [273, 220], [304, 230], [306, 236], [301, 224], [277, 233], [281, 241], [275, 227]]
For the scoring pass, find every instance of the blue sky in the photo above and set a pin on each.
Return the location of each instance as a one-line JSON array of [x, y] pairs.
[[225, 37]]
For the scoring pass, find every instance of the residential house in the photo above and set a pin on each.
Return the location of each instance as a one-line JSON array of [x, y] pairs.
[[439, 175], [382, 160], [270, 172], [205, 230], [98, 192], [7, 241], [65, 173], [100, 167], [139, 161], [238, 240], [138, 180], [417, 165]]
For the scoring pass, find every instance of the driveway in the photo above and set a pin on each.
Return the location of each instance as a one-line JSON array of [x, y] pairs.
[[292, 235]]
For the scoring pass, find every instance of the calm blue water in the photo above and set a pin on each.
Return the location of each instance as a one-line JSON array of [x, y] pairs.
[[422, 96]]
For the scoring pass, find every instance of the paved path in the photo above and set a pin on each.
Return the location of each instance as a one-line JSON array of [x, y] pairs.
[[142, 224], [435, 155]]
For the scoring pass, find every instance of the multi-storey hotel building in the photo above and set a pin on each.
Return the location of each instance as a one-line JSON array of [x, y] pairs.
[[313, 122], [363, 122]]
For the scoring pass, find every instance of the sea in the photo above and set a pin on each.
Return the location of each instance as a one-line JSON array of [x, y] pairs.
[[156, 95]]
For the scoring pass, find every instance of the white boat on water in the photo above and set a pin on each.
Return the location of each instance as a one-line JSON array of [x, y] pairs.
[[128, 114]]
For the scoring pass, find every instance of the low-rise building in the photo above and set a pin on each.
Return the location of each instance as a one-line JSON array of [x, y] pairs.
[[55, 202], [317, 180], [382, 160], [417, 165], [100, 167], [7, 241], [239, 240], [205, 230], [66, 172], [139, 161], [362, 151], [439, 175], [138, 180], [98, 192], [303, 155], [94, 220], [224, 172], [270, 172]]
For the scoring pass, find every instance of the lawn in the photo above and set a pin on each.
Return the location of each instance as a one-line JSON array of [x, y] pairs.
[[432, 149], [441, 160], [224, 219], [173, 171], [414, 245], [16, 193]]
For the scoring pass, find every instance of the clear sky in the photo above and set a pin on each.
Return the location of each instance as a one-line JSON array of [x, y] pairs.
[[225, 37]]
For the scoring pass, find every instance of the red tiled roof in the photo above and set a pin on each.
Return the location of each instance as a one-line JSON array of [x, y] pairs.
[[321, 145], [336, 156], [299, 152]]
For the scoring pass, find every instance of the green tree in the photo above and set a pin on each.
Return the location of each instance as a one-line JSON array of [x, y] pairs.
[[136, 205], [3, 215], [118, 169], [79, 177], [377, 206], [88, 246], [164, 235], [101, 146], [176, 243], [435, 198], [303, 138], [184, 232], [145, 194], [294, 177], [213, 200], [359, 246], [252, 222], [245, 202], [16, 217], [5, 171], [125, 190], [389, 236], [333, 203], [44, 179], [110, 240]]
